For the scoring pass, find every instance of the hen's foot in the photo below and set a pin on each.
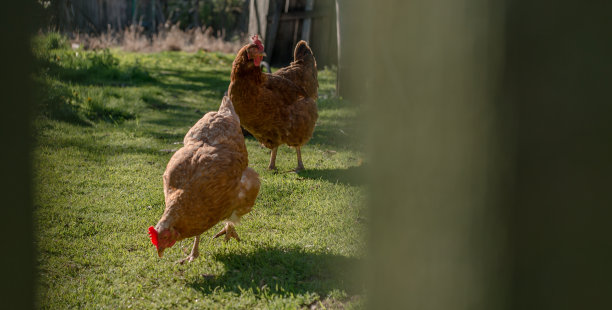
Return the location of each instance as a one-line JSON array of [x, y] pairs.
[[300, 165], [298, 168], [272, 165], [229, 231], [189, 258], [194, 252]]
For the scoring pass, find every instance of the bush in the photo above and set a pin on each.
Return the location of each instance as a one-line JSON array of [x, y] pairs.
[[54, 40], [63, 101], [97, 110], [102, 59], [56, 101], [99, 66]]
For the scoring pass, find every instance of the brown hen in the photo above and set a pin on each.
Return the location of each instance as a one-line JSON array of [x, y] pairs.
[[277, 108], [206, 181]]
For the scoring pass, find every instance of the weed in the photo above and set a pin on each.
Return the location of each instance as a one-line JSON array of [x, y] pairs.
[[168, 38]]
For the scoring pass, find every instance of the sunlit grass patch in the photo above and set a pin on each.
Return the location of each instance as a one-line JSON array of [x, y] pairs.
[[103, 142]]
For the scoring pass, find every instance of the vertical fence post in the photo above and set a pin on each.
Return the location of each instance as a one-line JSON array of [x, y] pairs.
[[339, 49], [153, 25], [307, 21], [134, 11]]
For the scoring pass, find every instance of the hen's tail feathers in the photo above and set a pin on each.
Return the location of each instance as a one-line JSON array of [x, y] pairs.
[[303, 52], [227, 107]]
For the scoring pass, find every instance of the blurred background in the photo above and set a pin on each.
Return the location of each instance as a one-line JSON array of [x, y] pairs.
[[489, 127], [191, 25]]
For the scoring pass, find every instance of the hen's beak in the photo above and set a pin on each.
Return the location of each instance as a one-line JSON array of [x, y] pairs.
[[160, 251], [263, 54]]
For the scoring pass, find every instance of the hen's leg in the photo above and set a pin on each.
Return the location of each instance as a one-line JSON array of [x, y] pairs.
[[229, 231], [194, 252], [300, 165], [272, 164]]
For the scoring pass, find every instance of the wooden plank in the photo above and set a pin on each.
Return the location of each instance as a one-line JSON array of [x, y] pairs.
[[271, 36], [307, 21], [258, 23]]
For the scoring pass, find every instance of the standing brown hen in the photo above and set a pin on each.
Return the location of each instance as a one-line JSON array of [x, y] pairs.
[[206, 181], [277, 108]]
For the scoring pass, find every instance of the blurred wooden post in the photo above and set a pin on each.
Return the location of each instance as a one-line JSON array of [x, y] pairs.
[[269, 47], [19, 271], [490, 140], [307, 21], [338, 73], [439, 147], [160, 12], [134, 11], [258, 11], [196, 13], [243, 18], [153, 25]]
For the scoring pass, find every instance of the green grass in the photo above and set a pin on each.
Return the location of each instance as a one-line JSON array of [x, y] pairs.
[[108, 123]]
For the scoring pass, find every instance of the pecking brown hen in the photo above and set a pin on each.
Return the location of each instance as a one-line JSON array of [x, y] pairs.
[[278, 108], [206, 181]]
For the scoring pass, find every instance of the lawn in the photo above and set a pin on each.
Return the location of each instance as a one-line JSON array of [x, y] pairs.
[[108, 123]]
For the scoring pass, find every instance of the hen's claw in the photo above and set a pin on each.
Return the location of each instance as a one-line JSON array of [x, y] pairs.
[[229, 231], [194, 252], [189, 258]]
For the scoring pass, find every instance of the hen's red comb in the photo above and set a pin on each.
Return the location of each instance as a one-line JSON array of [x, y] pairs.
[[153, 235], [256, 40]]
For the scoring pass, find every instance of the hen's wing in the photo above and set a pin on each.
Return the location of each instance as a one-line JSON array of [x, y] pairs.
[[291, 72], [303, 70], [304, 78], [277, 83]]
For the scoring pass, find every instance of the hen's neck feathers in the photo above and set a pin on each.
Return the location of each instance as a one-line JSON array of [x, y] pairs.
[[244, 68], [165, 222]]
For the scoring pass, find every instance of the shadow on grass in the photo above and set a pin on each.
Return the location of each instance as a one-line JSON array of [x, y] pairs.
[[188, 81], [283, 271], [96, 149], [181, 117], [166, 137], [353, 176], [332, 136]]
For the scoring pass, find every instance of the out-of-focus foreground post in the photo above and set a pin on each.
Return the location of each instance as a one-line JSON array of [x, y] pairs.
[[490, 148]]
